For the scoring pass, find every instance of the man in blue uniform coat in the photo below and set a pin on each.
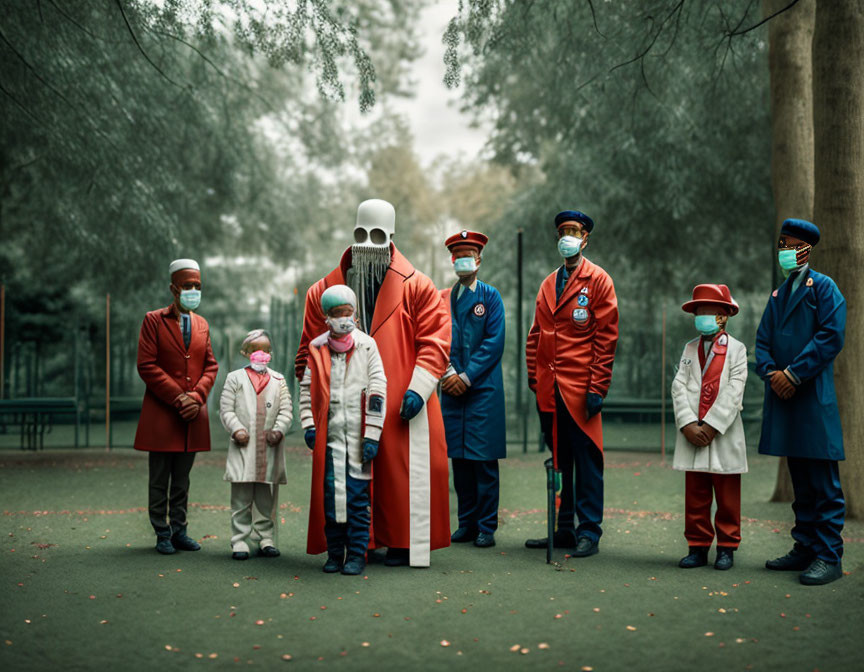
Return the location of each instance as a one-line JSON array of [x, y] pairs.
[[473, 399], [801, 332]]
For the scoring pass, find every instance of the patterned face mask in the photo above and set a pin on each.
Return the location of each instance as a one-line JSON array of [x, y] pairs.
[[340, 325], [791, 259]]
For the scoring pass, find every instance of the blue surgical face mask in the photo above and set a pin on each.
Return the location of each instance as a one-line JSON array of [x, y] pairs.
[[569, 246], [707, 324], [465, 266], [190, 299]]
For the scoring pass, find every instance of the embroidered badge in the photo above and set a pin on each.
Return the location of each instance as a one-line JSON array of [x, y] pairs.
[[809, 282], [584, 290], [580, 315], [774, 293], [479, 310], [376, 404], [464, 234], [582, 300], [269, 404], [686, 361]]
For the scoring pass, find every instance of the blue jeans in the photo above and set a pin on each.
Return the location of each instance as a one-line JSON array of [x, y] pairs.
[[476, 484], [819, 507]]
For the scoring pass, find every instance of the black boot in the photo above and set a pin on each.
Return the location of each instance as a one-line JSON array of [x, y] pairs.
[[820, 572], [183, 542], [164, 545], [463, 535], [796, 560], [397, 557], [354, 565], [698, 558], [724, 558], [334, 563]]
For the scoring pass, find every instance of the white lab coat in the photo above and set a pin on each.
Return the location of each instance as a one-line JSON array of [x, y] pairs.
[[238, 409], [727, 453], [351, 381]]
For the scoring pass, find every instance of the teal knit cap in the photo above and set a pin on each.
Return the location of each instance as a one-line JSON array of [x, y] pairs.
[[338, 295]]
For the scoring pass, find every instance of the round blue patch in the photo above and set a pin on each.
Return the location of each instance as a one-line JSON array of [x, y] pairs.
[[582, 300]]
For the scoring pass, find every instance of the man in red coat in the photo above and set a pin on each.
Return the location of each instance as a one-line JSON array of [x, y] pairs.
[[176, 363], [403, 311], [570, 350]]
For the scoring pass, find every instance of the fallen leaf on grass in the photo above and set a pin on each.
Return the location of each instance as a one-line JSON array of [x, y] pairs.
[[543, 645], [286, 656], [515, 648], [444, 642], [631, 628]]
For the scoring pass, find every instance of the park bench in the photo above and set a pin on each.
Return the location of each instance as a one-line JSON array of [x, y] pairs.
[[35, 416]]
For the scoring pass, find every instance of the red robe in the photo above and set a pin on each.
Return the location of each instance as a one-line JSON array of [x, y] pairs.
[[168, 369], [574, 349], [411, 325]]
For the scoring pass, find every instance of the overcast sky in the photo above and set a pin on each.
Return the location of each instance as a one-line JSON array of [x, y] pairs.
[[438, 126]]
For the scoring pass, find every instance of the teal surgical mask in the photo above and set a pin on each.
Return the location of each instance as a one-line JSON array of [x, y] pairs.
[[465, 266], [707, 324], [788, 259], [569, 246], [190, 299]]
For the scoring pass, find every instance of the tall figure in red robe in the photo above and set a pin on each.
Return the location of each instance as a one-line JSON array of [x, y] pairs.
[[570, 351], [402, 310], [176, 363]]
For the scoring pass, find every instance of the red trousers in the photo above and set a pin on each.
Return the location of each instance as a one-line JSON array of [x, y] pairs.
[[700, 490]]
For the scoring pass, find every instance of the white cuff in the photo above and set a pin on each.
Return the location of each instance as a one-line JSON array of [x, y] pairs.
[[423, 383], [465, 379], [372, 432], [449, 372]]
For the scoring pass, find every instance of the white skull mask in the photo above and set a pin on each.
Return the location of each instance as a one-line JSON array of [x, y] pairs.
[[376, 223]]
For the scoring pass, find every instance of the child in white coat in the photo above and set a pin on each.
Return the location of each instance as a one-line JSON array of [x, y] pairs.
[[343, 397], [255, 408], [707, 393]]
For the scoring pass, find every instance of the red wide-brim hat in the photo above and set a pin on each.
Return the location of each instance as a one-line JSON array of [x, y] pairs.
[[473, 238], [711, 295]]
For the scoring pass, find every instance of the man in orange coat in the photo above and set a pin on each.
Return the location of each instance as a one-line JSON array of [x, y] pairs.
[[402, 310], [570, 350], [176, 363]]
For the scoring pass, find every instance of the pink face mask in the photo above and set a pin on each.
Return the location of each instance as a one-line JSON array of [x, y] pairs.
[[259, 357]]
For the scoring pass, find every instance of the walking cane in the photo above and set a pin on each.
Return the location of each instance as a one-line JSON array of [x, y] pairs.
[[552, 483]]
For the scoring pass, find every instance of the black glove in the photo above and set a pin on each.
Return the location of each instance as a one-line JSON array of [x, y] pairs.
[[309, 437], [593, 403]]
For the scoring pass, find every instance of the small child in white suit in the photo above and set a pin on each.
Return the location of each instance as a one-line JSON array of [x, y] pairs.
[[255, 408], [708, 393]]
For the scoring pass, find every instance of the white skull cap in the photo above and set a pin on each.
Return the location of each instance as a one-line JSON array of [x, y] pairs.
[[374, 214], [182, 264]]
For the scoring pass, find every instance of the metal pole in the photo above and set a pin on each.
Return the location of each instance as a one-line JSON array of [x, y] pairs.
[[663, 390], [108, 372], [519, 345], [2, 338]]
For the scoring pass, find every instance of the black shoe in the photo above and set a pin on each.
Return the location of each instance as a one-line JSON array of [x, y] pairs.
[[462, 535], [561, 539], [397, 557], [585, 547], [796, 560], [184, 542], [724, 558], [164, 546], [240, 555], [820, 572], [484, 540], [354, 565], [698, 558], [269, 552], [333, 564]]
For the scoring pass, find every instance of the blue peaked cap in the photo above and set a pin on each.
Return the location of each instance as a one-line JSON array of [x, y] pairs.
[[575, 216], [802, 229]]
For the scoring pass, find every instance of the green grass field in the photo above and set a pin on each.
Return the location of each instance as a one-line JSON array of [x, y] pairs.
[[83, 588]]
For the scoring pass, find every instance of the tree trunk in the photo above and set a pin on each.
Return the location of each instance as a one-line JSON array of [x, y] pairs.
[[838, 123], [790, 36]]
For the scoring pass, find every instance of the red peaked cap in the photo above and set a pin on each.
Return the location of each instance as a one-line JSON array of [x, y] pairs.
[[711, 295], [464, 237]]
